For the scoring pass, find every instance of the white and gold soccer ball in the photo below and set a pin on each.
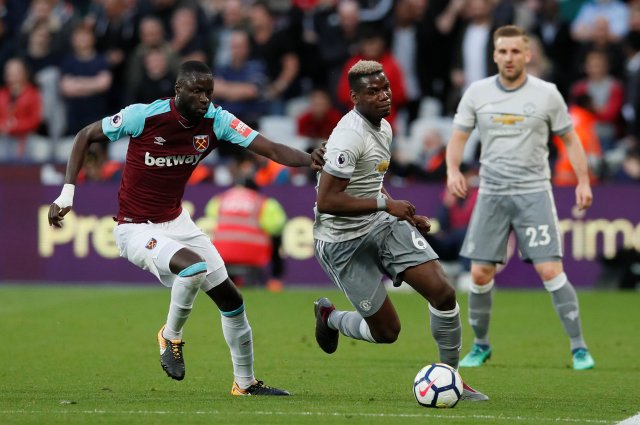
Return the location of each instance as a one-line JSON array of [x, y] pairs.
[[437, 385]]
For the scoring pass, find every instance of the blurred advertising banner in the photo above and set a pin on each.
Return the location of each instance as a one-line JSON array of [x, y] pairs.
[[84, 251]]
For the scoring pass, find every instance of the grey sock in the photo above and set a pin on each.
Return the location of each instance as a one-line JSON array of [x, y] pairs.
[[480, 302], [350, 324], [565, 302], [447, 332]]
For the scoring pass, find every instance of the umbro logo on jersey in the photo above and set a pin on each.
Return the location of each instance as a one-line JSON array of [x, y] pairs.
[[170, 160], [159, 141]]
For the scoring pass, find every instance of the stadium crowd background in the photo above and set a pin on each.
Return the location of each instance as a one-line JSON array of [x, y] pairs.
[[281, 67]]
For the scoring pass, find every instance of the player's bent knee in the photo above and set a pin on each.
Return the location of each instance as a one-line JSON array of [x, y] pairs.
[[445, 300], [387, 335], [194, 275]]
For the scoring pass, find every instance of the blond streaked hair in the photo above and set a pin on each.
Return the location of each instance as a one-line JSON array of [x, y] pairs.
[[361, 69], [510, 31]]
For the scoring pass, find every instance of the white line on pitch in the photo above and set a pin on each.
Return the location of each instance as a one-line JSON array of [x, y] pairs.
[[634, 420], [335, 414]]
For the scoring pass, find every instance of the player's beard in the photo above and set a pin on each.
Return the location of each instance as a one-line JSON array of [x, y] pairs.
[[512, 77]]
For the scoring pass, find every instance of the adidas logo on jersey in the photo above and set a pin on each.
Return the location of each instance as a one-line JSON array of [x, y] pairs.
[[170, 160]]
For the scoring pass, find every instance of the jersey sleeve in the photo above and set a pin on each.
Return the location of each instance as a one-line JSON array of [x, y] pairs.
[[343, 150], [465, 117], [229, 128], [128, 122], [559, 118]]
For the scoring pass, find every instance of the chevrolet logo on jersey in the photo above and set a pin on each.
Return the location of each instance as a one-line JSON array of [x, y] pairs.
[[382, 166], [508, 119], [201, 142]]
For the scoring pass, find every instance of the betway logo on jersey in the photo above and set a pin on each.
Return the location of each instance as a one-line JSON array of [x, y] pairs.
[[170, 160]]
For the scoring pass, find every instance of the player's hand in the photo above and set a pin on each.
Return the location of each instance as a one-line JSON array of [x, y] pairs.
[[317, 157], [422, 223], [584, 197], [404, 210], [56, 215], [456, 183]]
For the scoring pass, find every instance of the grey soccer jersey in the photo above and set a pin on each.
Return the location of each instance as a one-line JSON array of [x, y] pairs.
[[360, 152], [514, 128]]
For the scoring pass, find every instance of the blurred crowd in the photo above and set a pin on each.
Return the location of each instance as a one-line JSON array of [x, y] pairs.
[[281, 66]]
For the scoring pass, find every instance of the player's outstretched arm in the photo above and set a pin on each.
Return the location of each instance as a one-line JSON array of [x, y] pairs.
[[578, 160], [279, 152], [332, 199], [456, 183], [62, 205]]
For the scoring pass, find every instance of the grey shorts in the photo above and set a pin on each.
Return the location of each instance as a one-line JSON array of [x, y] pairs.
[[531, 216], [357, 266]]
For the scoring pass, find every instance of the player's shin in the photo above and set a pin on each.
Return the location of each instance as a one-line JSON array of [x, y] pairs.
[[565, 302], [480, 303], [447, 332], [183, 293], [237, 333]]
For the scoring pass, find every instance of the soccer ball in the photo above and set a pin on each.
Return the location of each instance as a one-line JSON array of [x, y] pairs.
[[437, 385]]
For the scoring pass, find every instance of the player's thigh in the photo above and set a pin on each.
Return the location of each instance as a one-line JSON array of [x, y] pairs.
[[536, 227], [403, 248], [353, 267], [149, 247], [430, 281], [187, 233], [488, 230]]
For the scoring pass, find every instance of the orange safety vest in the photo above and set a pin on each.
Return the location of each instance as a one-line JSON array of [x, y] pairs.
[[584, 124], [238, 236]]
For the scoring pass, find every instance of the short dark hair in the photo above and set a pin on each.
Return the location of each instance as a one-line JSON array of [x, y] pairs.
[[192, 67], [509, 31], [361, 69]]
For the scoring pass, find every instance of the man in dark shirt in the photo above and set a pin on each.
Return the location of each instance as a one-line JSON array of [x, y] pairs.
[[168, 138]]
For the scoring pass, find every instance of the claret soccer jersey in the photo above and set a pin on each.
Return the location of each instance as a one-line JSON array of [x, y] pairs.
[[164, 149]]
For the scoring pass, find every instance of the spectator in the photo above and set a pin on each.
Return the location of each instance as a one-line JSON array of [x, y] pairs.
[[239, 86], [115, 27], [404, 47], [603, 41], [44, 63], [85, 81], [97, 167], [336, 38], [157, 81], [20, 113], [473, 57], [632, 101], [584, 122], [539, 65], [615, 12], [318, 121], [233, 17], [248, 234], [152, 36], [429, 165], [607, 94], [185, 39], [554, 34], [629, 172], [373, 46], [58, 15], [275, 48]]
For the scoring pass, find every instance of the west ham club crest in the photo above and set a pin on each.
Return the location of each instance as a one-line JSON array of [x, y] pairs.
[[201, 142]]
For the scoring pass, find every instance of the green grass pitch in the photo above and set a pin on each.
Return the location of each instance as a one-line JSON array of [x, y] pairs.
[[89, 356]]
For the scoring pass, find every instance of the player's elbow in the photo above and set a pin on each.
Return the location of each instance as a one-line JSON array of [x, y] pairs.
[[324, 206]]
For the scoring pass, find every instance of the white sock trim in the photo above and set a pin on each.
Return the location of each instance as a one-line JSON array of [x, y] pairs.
[[555, 283], [482, 289], [365, 332], [447, 313]]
